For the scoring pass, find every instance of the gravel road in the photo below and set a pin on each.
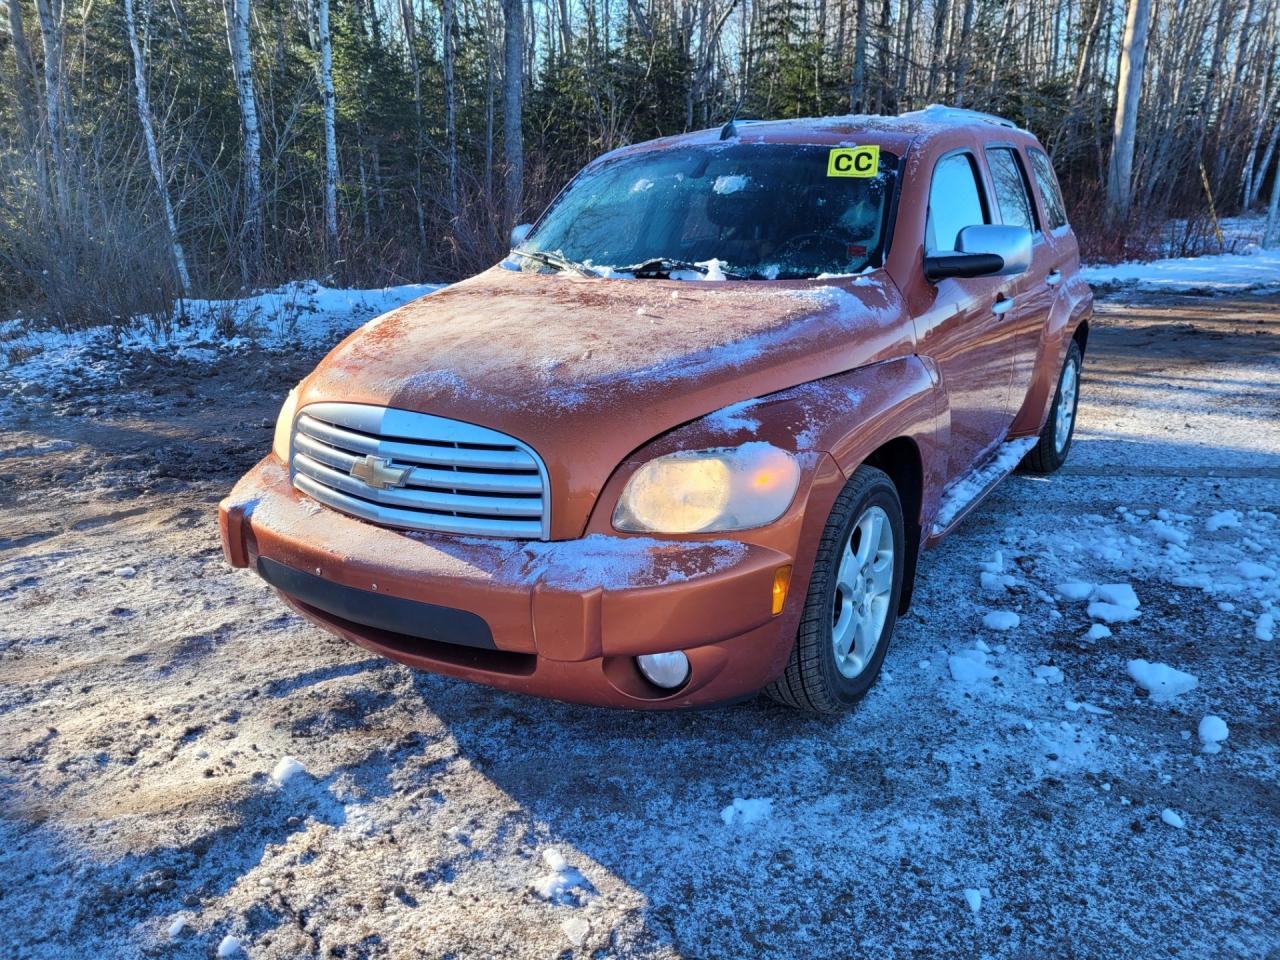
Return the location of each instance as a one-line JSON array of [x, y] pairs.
[[999, 794]]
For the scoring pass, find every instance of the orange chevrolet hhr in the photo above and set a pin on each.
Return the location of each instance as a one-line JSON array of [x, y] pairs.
[[688, 440]]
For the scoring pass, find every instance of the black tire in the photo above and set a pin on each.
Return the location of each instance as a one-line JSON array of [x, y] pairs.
[[812, 680], [1046, 456]]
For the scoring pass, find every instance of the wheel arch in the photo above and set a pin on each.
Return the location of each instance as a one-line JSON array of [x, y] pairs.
[[900, 458]]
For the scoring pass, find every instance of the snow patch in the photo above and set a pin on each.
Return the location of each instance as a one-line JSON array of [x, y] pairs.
[[561, 881], [745, 811], [970, 487], [286, 770], [1160, 680], [1172, 819], [1001, 620], [1213, 732]]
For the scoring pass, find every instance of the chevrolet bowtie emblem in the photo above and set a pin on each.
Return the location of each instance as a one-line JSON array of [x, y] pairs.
[[379, 473]]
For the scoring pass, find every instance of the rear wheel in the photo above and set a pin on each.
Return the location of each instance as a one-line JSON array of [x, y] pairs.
[[1055, 439], [852, 602]]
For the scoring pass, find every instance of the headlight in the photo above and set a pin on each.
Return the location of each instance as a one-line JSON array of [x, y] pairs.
[[691, 492], [284, 427]]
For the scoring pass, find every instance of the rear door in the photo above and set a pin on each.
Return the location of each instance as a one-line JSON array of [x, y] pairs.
[[1032, 291], [964, 330]]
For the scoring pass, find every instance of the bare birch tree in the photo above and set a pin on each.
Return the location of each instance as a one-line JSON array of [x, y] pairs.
[[513, 105], [237, 13], [1128, 94], [143, 103], [330, 133]]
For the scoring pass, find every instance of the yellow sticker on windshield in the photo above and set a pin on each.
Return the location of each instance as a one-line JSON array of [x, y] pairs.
[[853, 162]]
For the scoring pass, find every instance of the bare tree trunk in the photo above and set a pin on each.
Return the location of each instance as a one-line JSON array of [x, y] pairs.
[[940, 14], [330, 134], [962, 61], [411, 41], [858, 83], [512, 105], [25, 85], [450, 101], [50, 14], [143, 102], [237, 13], [1128, 93], [1273, 209]]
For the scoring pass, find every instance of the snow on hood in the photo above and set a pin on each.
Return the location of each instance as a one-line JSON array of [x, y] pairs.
[[538, 341]]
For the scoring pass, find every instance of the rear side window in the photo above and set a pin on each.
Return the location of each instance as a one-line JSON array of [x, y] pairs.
[[1054, 211], [955, 201], [1013, 196]]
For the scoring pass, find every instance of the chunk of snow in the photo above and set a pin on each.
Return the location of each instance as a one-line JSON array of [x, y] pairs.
[[1254, 571], [1074, 705], [743, 811], [1001, 620], [973, 897], [1075, 590], [981, 644], [1160, 680], [1111, 612], [126, 572], [969, 667], [577, 929], [715, 269], [1117, 594], [1098, 631], [1213, 731], [1048, 674], [561, 880], [286, 770], [1170, 534], [1222, 520], [177, 928], [730, 183], [1265, 628], [229, 947], [1172, 819], [995, 582], [994, 565]]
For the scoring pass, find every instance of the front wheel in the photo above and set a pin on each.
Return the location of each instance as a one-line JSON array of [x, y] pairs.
[[853, 599], [1055, 439]]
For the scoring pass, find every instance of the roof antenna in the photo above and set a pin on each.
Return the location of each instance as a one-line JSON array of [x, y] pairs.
[[729, 130]]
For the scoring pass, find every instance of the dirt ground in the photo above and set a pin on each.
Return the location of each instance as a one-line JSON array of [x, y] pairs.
[[147, 692]]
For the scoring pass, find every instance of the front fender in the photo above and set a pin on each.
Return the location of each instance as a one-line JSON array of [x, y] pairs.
[[842, 419], [1072, 306]]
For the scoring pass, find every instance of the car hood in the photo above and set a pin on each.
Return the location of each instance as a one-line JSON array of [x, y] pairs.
[[587, 370]]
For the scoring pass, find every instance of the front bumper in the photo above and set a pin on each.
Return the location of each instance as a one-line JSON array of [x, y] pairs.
[[560, 619]]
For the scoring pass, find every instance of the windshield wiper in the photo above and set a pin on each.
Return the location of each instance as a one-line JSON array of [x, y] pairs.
[[658, 266], [558, 262]]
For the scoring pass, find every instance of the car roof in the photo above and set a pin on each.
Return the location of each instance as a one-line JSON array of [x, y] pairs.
[[893, 134]]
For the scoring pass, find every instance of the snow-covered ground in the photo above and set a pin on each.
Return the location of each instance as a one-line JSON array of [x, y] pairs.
[[1252, 270], [300, 315], [191, 771]]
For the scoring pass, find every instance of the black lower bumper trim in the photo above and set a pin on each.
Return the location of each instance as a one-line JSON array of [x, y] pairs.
[[427, 621]]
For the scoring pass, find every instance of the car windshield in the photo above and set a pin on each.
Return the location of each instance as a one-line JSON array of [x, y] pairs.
[[750, 211]]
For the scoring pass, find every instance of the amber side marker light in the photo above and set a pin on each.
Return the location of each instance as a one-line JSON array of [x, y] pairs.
[[781, 580]]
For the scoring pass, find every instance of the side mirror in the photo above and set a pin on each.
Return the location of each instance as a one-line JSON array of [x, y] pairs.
[[519, 232], [983, 250]]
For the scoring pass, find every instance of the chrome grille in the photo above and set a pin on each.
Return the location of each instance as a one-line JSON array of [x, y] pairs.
[[423, 472]]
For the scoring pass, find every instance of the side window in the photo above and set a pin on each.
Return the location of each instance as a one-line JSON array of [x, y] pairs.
[[1013, 194], [955, 202], [1054, 210]]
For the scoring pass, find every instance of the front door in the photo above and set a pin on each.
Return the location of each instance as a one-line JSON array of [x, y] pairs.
[[967, 329]]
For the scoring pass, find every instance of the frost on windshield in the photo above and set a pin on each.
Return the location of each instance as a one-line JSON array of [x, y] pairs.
[[740, 211]]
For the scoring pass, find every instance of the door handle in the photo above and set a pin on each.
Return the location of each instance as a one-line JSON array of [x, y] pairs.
[[1002, 305], [1054, 278]]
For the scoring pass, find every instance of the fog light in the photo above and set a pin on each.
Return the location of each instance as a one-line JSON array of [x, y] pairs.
[[667, 670]]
